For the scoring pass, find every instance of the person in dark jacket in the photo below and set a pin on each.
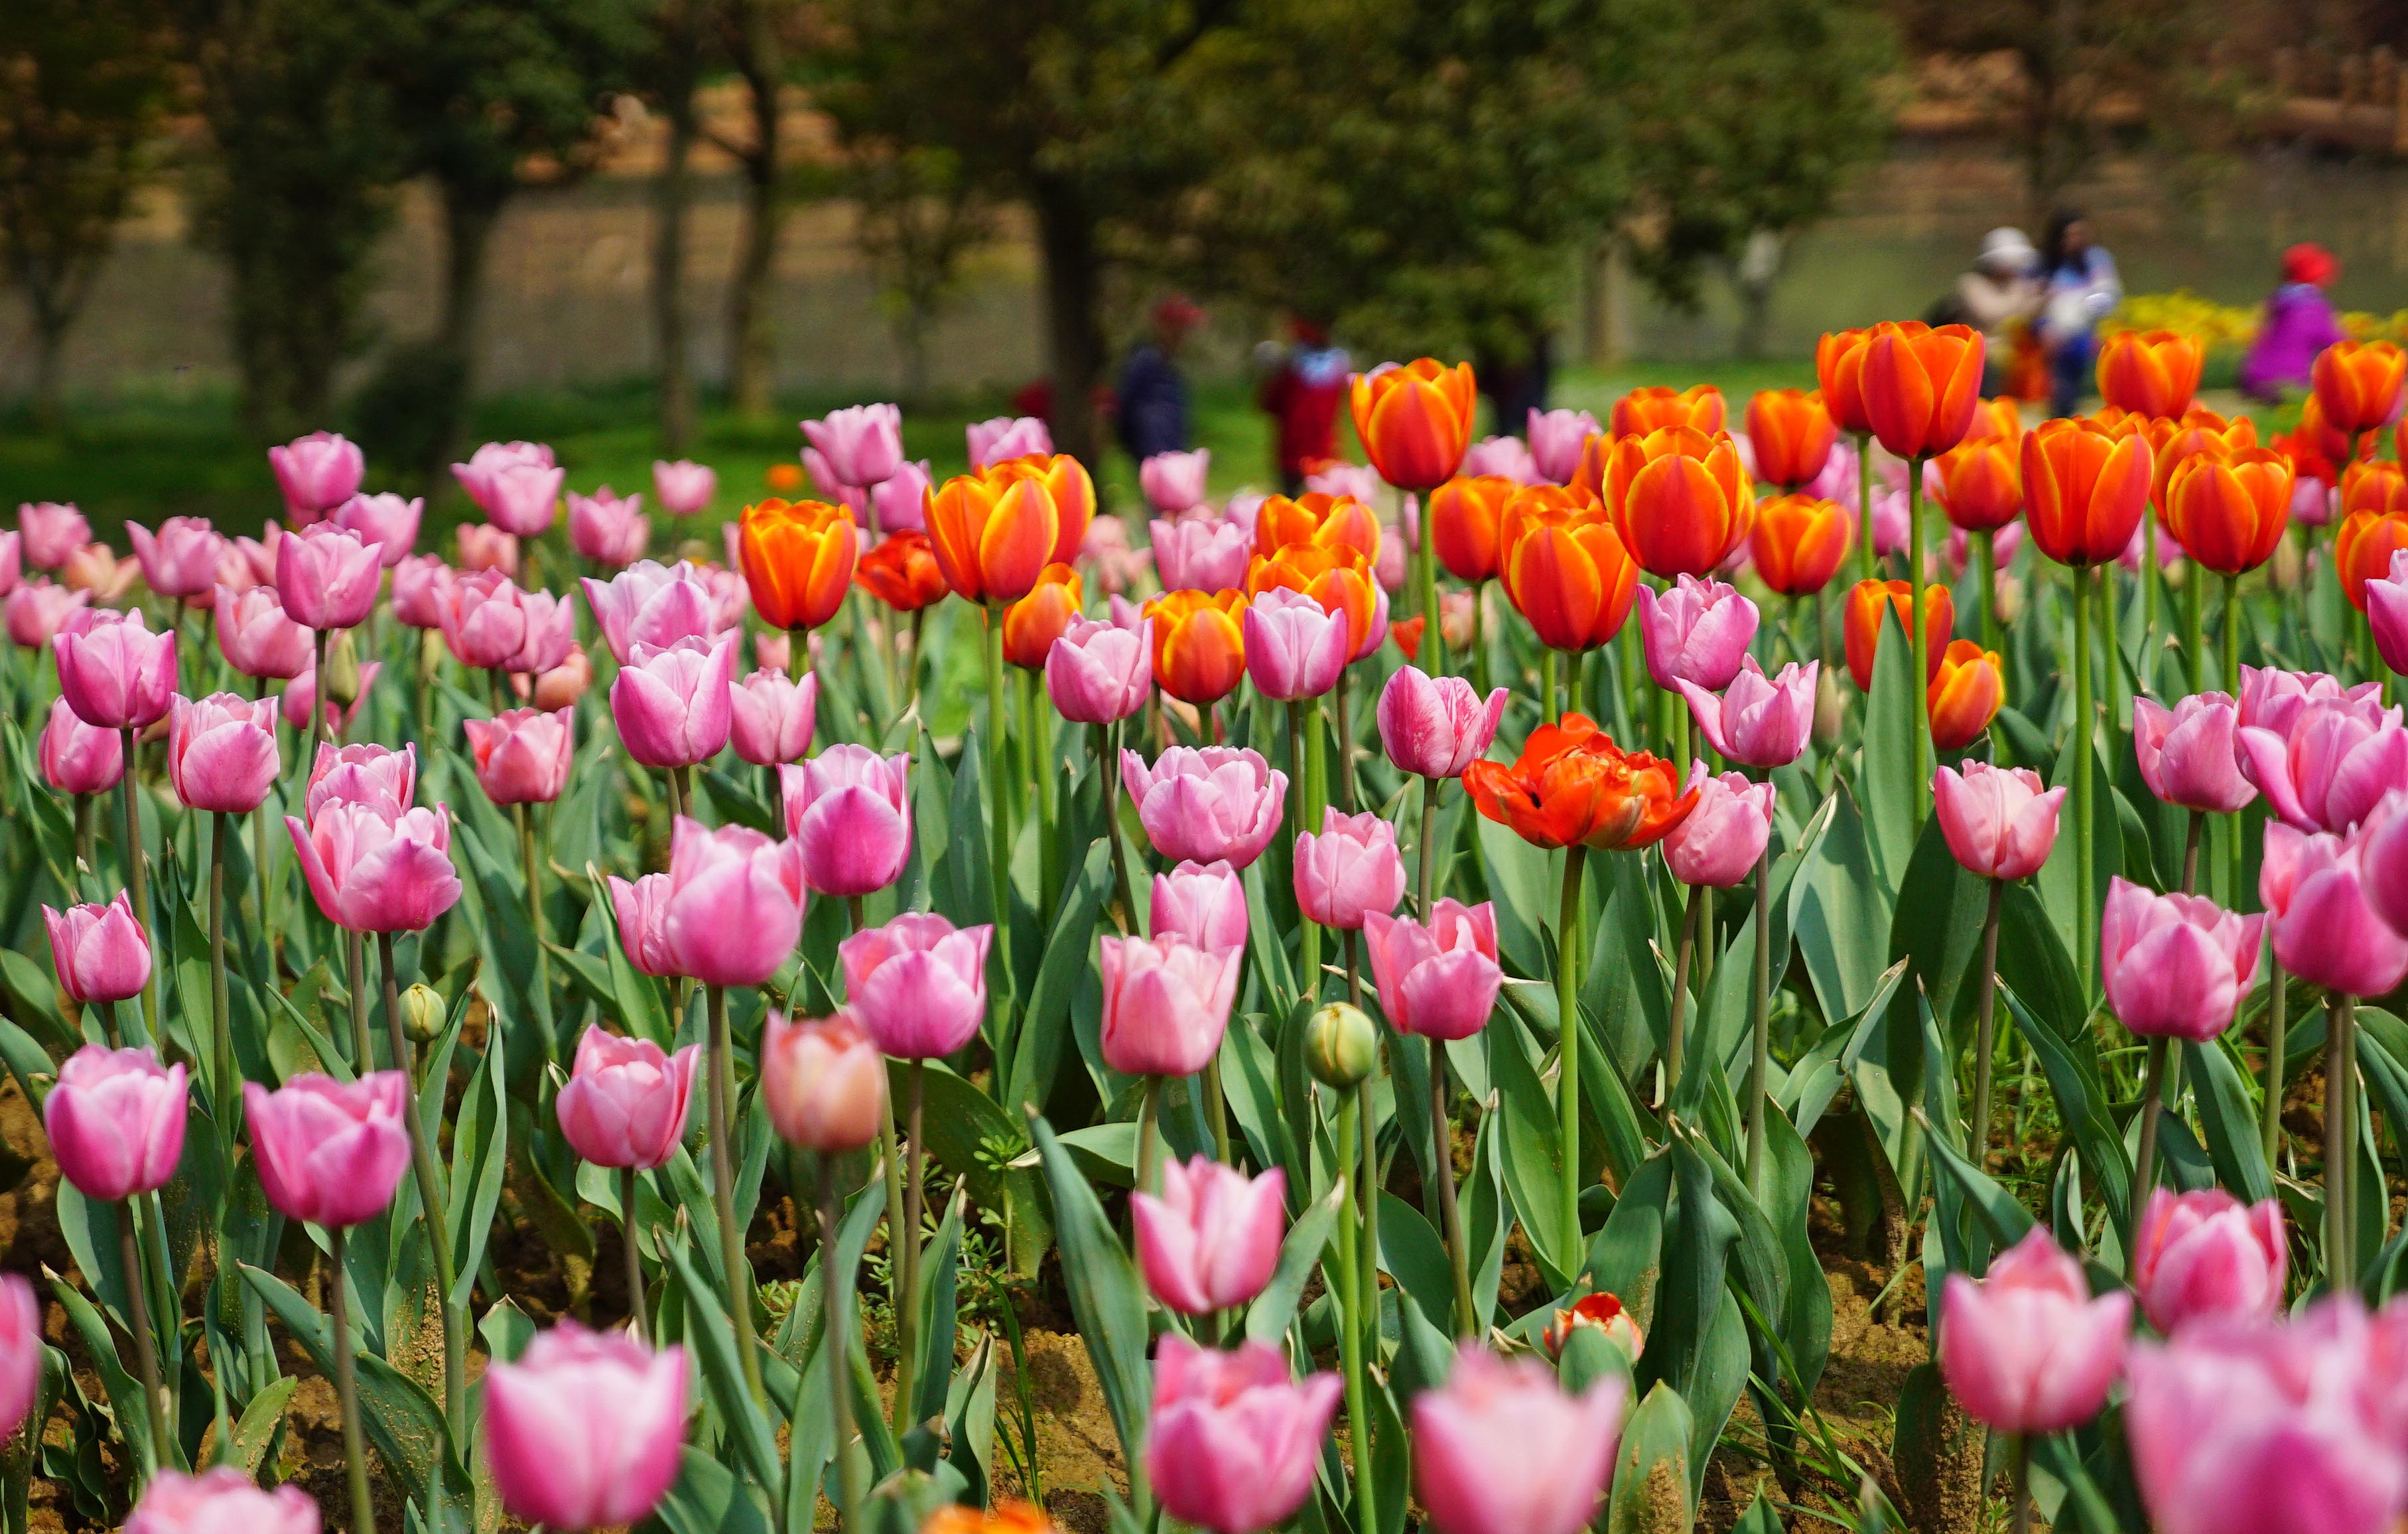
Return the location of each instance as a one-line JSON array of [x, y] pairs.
[[1151, 407]]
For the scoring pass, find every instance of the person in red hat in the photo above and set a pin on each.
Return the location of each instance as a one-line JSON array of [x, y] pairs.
[[1151, 404], [2298, 323], [1302, 389]]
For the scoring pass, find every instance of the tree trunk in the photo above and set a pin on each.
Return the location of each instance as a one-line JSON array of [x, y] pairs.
[[469, 214], [50, 351], [673, 195], [751, 340], [1074, 280]]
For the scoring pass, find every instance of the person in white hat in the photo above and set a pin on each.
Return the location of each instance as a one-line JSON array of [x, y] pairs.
[[2001, 291]]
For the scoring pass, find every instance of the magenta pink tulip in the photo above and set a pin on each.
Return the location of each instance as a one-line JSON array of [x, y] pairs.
[[1201, 553], [1698, 632], [257, 637], [1997, 820], [51, 532], [484, 619], [78, 758], [2174, 966], [1759, 722], [20, 1356], [734, 908], [116, 1122], [301, 693], [100, 952], [611, 530], [771, 717], [2386, 615], [372, 868], [329, 1151], [672, 706], [1165, 1004], [642, 909], [1348, 870], [1216, 804], [2274, 699], [221, 1501], [1210, 1240], [221, 752], [180, 559], [1204, 903], [1439, 979], [37, 610], [523, 757], [1173, 482], [1234, 1442], [824, 476], [1556, 438], [684, 487], [2189, 755], [586, 1429], [486, 547], [2340, 757], [917, 984], [113, 671], [863, 445], [259, 554], [516, 484], [1722, 839], [1480, 1438], [418, 584], [2207, 1253], [11, 562], [653, 604], [1435, 728], [624, 1102], [1005, 437], [1293, 649], [551, 634], [2325, 928], [899, 502], [823, 1082], [328, 577], [2027, 1350], [848, 809], [1503, 458], [317, 473], [388, 520], [363, 774], [1377, 635], [1096, 673]]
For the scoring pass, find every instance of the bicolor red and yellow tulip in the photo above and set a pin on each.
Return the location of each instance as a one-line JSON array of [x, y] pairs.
[[1414, 420], [2151, 372], [1791, 434], [1799, 542], [799, 559], [1699, 408], [1319, 518], [1564, 568], [1967, 686], [993, 534], [1921, 385], [1031, 624], [1860, 626], [1463, 518], [1200, 647], [2085, 489], [1680, 499], [2357, 385], [2229, 513]]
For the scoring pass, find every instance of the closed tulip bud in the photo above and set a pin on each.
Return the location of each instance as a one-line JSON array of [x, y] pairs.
[[1067, 486], [823, 1082], [363, 774], [100, 952], [1980, 484], [2357, 385], [486, 547], [1966, 693], [1598, 1312], [1436, 978], [1564, 568], [1165, 1004], [1006, 438], [329, 1151], [2204, 1254], [521, 498], [2174, 966], [1336, 576], [771, 717], [326, 577], [1798, 543], [1998, 822], [372, 868], [1216, 804], [345, 680], [1317, 518], [1200, 555], [797, 560], [1476, 1437], [2327, 931], [1031, 624], [1920, 387], [418, 584], [848, 809], [258, 639], [2151, 373], [2188, 756], [388, 520], [113, 671], [424, 1016], [2340, 759], [180, 559], [1721, 841], [1505, 458], [1699, 408], [993, 536], [1097, 672], [1173, 482], [523, 757], [221, 753], [224, 1501], [1435, 728], [1698, 632], [684, 487], [1199, 653], [1234, 1442], [652, 604], [1211, 1240], [2027, 1350], [918, 983], [317, 473], [1348, 870], [51, 532], [1679, 498], [626, 1100], [1414, 420], [78, 758], [902, 573], [1792, 435], [672, 706], [37, 610], [1465, 518], [862, 446], [116, 1122], [608, 529], [641, 910], [586, 1429], [1861, 624], [1341, 1046], [1759, 722], [2085, 489], [1292, 648], [1556, 438], [1202, 903]]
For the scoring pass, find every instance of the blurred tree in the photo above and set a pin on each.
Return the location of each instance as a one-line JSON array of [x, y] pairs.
[[82, 86], [918, 217], [670, 70], [760, 37]]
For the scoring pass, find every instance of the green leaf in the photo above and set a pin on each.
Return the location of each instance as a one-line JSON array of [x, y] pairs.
[[124, 1392], [707, 1498], [1652, 1480], [1625, 1258], [1533, 1153], [1843, 913], [1105, 1297], [479, 1155], [1885, 785], [2227, 1119], [1412, 1252], [715, 1342], [1045, 1026], [2082, 1106], [2006, 1220], [940, 1278], [256, 1430], [1300, 1251]]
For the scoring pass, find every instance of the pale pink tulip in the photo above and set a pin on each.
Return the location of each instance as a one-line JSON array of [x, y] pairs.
[[1173, 482], [1759, 722], [78, 758], [2188, 756], [1721, 841], [2174, 966], [1348, 870], [684, 487], [388, 520], [372, 868], [1501, 1449], [221, 753], [1198, 554], [1208, 805], [1997, 820], [327, 1152], [848, 809], [1556, 438], [1165, 1004], [180, 559], [917, 984], [317, 473], [1439, 979], [328, 577], [823, 1082], [771, 717], [611, 530], [1210, 1240], [626, 1100], [523, 757], [223, 1501], [2027, 1350], [51, 532], [1204, 903], [672, 706], [2207, 1253], [116, 1122], [113, 671], [863, 445], [256, 636], [586, 1431], [1096, 673]]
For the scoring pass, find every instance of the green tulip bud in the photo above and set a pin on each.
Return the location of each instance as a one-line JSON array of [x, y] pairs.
[[340, 685], [1340, 1045], [422, 1014]]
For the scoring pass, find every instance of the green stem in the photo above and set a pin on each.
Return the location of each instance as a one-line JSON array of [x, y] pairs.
[[1986, 563], [1921, 639], [1345, 746], [429, 1178], [2232, 634], [355, 953], [1984, 1024], [1467, 1321], [723, 1189], [1351, 1332], [1426, 560], [2271, 1125], [2153, 1095], [891, 1158], [347, 1391], [998, 798], [2019, 1492], [636, 1320], [1316, 796], [2341, 1128], [308, 762], [1760, 1016], [2085, 941], [1216, 1111], [2149, 575], [1547, 703], [1869, 567], [146, 1346], [1124, 891], [531, 867], [1367, 1210], [1149, 1136], [1674, 1038], [84, 829], [1429, 843], [2190, 853], [137, 883], [220, 1012], [1568, 1022], [915, 1200], [2195, 658], [835, 1334]]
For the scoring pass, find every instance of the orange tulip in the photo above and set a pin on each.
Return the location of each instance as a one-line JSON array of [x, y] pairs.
[[2153, 373], [2357, 385], [2373, 525], [1319, 518], [2085, 489], [2229, 513], [1792, 435], [1679, 498], [1840, 368], [1572, 783], [1861, 623], [1031, 624], [902, 572], [1072, 489], [2380, 486], [798, 559], [1799, 543], [1200, 650], [1980, 484], [1996, 418], [1699, 407], [1966, 693], [993, 534], [784, 475], [1921, 385], [1415, 420], [1564, 569], [1464, 514], [1008, 1517], [1336, 576], [2201, 430]]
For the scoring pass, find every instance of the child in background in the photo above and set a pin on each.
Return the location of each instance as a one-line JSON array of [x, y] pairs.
[[2299, 322]]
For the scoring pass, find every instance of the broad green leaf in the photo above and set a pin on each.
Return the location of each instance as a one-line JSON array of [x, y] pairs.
[[1106, 1298], [1652, 1482], [1300, 1251], [714, 1341], [1885, 785]]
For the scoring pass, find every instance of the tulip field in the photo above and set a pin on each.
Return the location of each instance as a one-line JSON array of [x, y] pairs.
[[1433, 992]]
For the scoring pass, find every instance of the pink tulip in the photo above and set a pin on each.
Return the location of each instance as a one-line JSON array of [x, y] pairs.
[[1501, 1449], [373, 868], [221, 1501], [652, 604], [993, 441], [771, 717], [1173, 482], [113, 671], [2174, 966], [823, 1082], [586, 1429], [641, 908], [2207, 1253], [1504, 457], [1204, 903], [609, 530], [2188, 756], [734, 908], [1435, 728], [684, 487], [100, 952], [1096, 673], [1360, 480], [824, 478], [1759, 722], [898, 503], [1439, 979], [1293, 649], [180, 559], [1204, 806], [11, 562], [1234, 1442], [1165, 1004], [672, 706], [1556, 438], [1998, 822], [256, 636], [1723, 836], [221, 753], [1211, 1238], [116, 1122], [2326, 929], [22, 1354], [51, 532], [2027, 1350], [524, 498], [78, 758], [317, 473], [1112, 562], [550, 633], [2274, 700], [1197, 554], [328, 577], [561, 686], [259, 554], [850, 810], [1698, 632], [917, 984], [388, 520], [2004, 542], [2386, 615], [484, 619], [329, 1151], [418, 584], [486, 547], [363, 774], [523, 757], [863, 445], [1348, 870], [2338, 759], [625, 1103], [37, 610], [302, 692]]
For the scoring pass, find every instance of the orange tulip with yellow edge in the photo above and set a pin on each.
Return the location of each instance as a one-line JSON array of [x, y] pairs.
[[1463, 516], [1839, 369], [1200, 649], [1699, 407], [2201, 430], [2085, 489], [1316, 517], [2151, 372], [1572, 784], [1980, 484], [1799, 542], [1860, 627], [901, 571], [993, 534], [2001, 417], [1414, 420], [1564, 569], [1069, 486], [1031, 624], [2358, 385], [1336, 576], [1680, 499], [2228, 512], [1007, 1517], [798, 559], [2373, 525], [1966, 693], [1921, 385], [1791, 434]]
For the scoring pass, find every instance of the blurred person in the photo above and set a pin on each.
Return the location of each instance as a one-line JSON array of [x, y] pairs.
[[1515, 389], [2082, 289], [1301, 391], [2299, 322], [1151, 406], [1999, 295]]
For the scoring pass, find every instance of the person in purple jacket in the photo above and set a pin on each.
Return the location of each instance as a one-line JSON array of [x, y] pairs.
[[2299, 322]]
